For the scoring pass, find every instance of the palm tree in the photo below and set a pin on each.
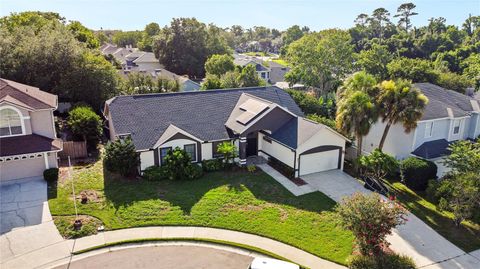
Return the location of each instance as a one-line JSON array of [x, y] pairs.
[[355, 114], [400, 102]]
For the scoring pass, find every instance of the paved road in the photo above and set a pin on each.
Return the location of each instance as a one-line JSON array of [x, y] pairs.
[[164, 257]]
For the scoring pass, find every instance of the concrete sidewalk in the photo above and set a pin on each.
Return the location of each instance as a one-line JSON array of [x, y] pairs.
[[44, 257]]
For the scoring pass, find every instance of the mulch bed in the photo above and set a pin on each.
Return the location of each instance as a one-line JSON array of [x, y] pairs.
[[298, 181]]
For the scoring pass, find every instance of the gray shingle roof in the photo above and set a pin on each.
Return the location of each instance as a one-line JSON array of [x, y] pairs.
[[433, 149], [202, 114], [440, 99]]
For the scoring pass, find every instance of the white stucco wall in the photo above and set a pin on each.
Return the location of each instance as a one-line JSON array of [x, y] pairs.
[[146, 159], [398, 143], [207, 153], [276, 150], [43, 123]]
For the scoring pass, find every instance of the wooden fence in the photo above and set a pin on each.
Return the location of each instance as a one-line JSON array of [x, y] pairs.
[[74, 149]]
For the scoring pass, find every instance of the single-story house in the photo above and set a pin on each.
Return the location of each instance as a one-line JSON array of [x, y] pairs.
[[448, 117], [260, 121], [28, 143], [262, 70]]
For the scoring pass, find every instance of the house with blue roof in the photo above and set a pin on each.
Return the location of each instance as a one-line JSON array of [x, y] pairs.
[[260, 121], [448, 117]]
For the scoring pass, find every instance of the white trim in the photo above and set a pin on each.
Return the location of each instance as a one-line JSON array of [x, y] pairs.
[[414, 139], [430, 134], [179, 130], [20, 114], [45, 157]]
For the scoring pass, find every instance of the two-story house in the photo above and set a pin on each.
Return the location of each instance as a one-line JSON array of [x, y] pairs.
[[28, 143], [262, 70], [449, 116]]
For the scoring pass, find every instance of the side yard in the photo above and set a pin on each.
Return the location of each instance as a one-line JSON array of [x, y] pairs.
[[237, 200], [466, 237]]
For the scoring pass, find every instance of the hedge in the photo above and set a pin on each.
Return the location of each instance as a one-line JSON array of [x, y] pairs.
[[417, 172]]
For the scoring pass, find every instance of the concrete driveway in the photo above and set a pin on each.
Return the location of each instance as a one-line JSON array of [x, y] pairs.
[[415, 239], [164, 257], [26, 224]]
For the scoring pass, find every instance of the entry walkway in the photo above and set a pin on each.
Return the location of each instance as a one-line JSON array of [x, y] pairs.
[[289, 185], [415, 239]]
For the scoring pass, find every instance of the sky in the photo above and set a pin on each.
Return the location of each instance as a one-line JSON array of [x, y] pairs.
[[279, 14]]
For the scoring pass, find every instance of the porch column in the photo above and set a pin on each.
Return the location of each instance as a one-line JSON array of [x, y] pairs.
[[242, 151], [45, 158]]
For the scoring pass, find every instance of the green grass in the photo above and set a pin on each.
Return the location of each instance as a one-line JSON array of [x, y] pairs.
[[280, 61], [242, 201], [466, 237]]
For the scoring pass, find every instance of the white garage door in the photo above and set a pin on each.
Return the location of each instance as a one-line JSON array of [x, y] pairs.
[[317, 162]]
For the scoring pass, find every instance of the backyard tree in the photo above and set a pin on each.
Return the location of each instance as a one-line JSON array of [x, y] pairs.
[[370, 219], [219, 64], [405, 12], [86, 124], [399, 102], [378, 164], [121, 157], [185, 45], [320, 60], [375, 60], [248, 77]]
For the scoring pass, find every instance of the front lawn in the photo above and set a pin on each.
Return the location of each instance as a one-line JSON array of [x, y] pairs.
[[466, 237], [249, 202]]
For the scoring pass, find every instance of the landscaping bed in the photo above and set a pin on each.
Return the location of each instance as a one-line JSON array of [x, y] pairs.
[[466, 237], [237, 200]]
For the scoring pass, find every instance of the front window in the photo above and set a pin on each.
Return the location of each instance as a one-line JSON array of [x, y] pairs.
[[456, 126], [263, 75], [190, 149], [428, 129], [10, 122], [163, 154]]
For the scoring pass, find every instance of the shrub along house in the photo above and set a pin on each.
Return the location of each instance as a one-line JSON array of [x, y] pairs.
[[261, 121], [448, 117], [27, 132]]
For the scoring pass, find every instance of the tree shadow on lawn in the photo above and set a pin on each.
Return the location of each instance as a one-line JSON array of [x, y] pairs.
[[465, 237], [123, 192]]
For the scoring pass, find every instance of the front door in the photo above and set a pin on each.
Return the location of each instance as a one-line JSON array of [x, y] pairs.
[[252, 146]]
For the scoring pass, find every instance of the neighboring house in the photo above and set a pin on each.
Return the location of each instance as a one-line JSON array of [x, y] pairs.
[[28, 142], [449, 116], [134, 60], [262, 71], [186, 84], [262, 121], [277, 72]]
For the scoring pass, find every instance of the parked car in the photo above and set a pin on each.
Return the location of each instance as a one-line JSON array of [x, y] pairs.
[[266, 263]]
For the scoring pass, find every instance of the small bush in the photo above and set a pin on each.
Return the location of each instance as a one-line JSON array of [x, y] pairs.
[[212, 165], [251, 168], [155, 173], [417, 172], [121, 157], [50, 175], [383, 261], [194, 172]]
